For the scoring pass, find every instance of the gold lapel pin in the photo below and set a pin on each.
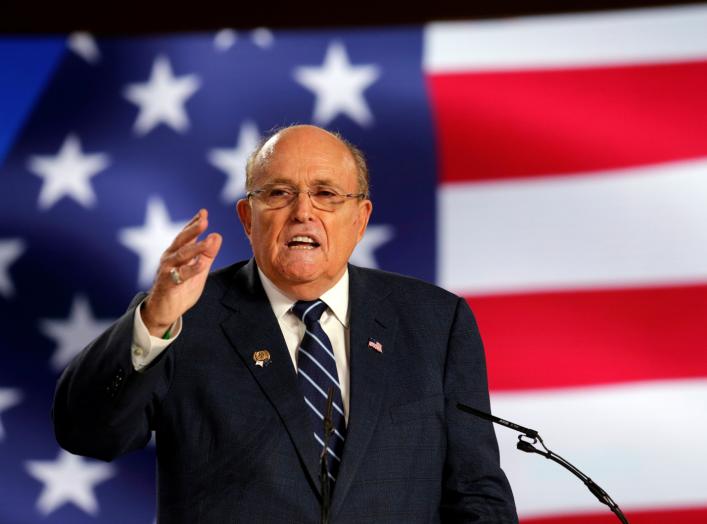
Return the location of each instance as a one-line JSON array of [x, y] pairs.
[[261, 358]]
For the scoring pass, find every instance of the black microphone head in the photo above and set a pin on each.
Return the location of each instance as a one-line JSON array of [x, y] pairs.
[[525, 446]]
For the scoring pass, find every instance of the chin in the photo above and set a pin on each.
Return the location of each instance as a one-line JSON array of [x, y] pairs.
[[299, 264], [302, 276], [300, 273]]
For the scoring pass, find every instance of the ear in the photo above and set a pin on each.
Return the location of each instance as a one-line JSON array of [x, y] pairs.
[[365, 208], [245, 214]]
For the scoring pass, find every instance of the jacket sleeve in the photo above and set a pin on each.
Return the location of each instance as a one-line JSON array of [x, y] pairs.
[[475, 488], [102, 407]]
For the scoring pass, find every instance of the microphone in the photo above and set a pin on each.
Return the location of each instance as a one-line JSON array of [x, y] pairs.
[[531, 433], [526, 446], [323, 459], [328, 422]]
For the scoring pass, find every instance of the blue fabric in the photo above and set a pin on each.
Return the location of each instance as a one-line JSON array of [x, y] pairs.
[[26, 65], [316, 368], [233, 443]]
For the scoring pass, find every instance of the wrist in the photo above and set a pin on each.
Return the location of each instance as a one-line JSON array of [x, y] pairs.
[[156, 327]]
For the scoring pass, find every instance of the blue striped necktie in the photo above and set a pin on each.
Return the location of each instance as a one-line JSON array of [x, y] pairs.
[[316, 368]]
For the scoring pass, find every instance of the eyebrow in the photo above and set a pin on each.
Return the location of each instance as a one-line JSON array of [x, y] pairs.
[[316, 182], [285, 181]]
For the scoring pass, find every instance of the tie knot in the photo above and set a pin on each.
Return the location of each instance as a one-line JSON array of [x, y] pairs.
[[309, 311]]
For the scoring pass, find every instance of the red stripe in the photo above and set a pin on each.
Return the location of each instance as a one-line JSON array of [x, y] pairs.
[[529, 123], [666, 516], [560, 339]]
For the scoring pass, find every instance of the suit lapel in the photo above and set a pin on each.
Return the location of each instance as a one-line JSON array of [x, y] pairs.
[[253, 327], [371, 317]]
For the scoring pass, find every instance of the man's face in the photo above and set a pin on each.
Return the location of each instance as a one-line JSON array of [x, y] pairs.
[[304, 157]]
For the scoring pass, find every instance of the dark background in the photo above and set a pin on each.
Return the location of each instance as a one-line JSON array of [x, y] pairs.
[[133, 17]]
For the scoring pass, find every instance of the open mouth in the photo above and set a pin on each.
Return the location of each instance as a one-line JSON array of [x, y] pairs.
[[302, 242]]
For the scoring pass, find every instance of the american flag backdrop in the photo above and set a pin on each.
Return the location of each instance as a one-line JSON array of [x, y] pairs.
[[552, 170]]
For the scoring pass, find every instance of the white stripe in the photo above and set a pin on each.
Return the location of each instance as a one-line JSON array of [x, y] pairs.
[[309, 379], [332, 477], [304, 315], [321, 442], [321, 417], [329, 352], [313, 408], [644, 443], [615, 229], [336, 382], [620, 37]]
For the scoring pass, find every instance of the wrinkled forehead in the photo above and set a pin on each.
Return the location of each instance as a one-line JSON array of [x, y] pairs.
[[315, 155]]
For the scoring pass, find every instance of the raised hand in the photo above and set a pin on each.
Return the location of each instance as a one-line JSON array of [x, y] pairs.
[[181, 275]]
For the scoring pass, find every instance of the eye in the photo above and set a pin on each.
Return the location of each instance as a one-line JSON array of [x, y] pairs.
[[325, 192], [278, 192]]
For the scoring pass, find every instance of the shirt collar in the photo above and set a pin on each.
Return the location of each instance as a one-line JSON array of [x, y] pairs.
[[336, 297]]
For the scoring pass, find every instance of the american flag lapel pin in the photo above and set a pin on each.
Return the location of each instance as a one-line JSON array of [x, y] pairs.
[[375, 345]]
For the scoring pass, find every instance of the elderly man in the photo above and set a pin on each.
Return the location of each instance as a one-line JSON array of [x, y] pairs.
[[233, 369]]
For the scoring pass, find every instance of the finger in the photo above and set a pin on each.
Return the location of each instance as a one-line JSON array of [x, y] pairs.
[[203, 261], [186, 254], [191, 231], [191, 270], [213, 245], [196, 217]]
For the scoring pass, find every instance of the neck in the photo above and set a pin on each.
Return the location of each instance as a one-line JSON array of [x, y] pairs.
[[304, 290]]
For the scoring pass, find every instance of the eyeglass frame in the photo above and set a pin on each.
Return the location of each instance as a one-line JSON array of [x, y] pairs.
[[296, 192]]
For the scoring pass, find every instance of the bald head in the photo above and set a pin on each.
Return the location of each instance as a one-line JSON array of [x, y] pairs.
[[312, 135]]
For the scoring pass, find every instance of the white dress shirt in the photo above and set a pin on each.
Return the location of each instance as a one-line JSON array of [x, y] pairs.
[[334, 322]]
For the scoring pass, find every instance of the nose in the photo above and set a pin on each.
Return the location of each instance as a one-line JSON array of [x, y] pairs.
[[302, 207]]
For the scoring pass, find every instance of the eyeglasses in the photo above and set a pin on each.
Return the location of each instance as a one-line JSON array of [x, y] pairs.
[[322, 197]]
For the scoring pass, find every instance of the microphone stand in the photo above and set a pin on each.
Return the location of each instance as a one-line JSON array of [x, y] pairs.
[[323, 462], [532, 437]]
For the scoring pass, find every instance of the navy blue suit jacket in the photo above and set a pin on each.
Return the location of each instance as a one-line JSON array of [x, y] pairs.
[[234, 440]]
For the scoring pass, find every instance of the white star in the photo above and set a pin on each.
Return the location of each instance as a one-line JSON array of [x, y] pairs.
[[262, 37], [68, 173], [151, 239], [72, 334], [374, 238], [84, 45], [69, 479], [224, 39], [233, 161], [162, 98], [8, 399], [10, 250], [338, 86]]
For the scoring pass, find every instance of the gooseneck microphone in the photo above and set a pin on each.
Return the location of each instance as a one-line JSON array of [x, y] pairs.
[[323, 461], [531, 433], [532, 437]]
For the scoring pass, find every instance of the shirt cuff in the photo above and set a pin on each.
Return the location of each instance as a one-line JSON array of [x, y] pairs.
[[145, 347]]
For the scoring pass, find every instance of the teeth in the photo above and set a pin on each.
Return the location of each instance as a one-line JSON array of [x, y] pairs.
[[302, 242]]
